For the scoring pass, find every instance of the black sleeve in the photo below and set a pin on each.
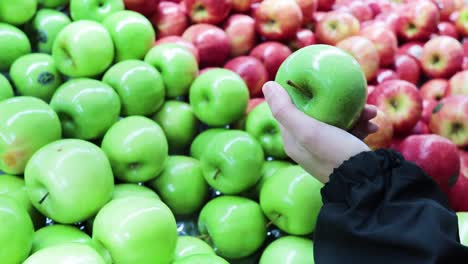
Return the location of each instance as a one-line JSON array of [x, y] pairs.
[[379, 208]]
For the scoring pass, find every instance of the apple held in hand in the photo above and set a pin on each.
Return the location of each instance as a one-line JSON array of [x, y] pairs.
[[287, 195], [35, 75], [20, 120], [364, 51], [442, 57], [240, 29], [278, 19], [400, 101], [226, 220], [289, 249], [458, 84], [17, 231], [463, 227], [450, 119], [139, 86], [339, 102], [272, 54], [170, 19], [189, 246], [6, 91], [67, 253], [177, 66], [427, 151], [46, 25], [137, 230], [17, 12], [13, 44], [96, 10], [83, 49], [251, 70], [86, 108], [263, 126], [434, 89], [137, 149], [144, 7], [208, 11], [67, 171], [336, 26], [132, 34], [383, 137], [211, 97]]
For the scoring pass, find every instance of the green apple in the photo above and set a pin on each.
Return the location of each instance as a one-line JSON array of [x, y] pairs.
[[139, 85], [219, 97], [6, 91], [137, 230], [326, 83], [17, 231], [125, 190], [201, 259], [189, 245], [26, 124], [17, 12], [56, 234], [261, 124], [46, 25], [232, 162], [269, 169], [137, 149], [177, 65], [178, 122], [463, 227], [289, 249], [83, 49], [87, 108], [35, 75], [201, 141], [181, 185], [96, 10], [52, 3], [13, 44], [235, 226], [67, 253], [133, 34], [69, 180], [14, 187], [285, 197]]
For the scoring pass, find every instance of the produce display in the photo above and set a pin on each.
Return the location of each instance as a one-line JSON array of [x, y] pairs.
[[135, 131]]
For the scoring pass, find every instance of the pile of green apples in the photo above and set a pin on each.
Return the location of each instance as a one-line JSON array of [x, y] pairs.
[[114, 150]]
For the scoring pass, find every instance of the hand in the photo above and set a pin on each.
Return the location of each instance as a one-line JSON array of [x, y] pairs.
[[317, 147]]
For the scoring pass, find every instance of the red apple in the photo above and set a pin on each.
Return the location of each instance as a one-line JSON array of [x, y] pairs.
[[304, 37], [459, 4], [383, 137], [447, 29], [458, 194], [420, 128], [278, 19], [384, 40], [253, 103], [446, 8], [400, 101], [212, 44], [380, 6], [240, 30], [407, 68], [169, 20], [251, 70], [370, 89], [418, 20], [208, 11], [319, 15], [396, 142], [442, 57], [336, 26], [308, 8], [365, 52], [241, 5], [384, 75], [428, 107], [358, 9], [450, 119], [325, 5], [414, 49], [436, 155], [458, 84], [272, 54], [253, 8], [390, 19], [434, 89], [180, 41], [462, 22], [145, 7]]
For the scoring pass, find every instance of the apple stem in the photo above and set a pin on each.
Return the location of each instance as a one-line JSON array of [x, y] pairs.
[[269, 224], [218, 171], [299, 88], [43, 198], [203, 237]]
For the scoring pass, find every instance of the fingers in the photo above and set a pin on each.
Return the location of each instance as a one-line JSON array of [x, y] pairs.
[[368, 113], [363, 130]]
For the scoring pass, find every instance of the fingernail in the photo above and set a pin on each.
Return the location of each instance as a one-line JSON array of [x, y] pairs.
[[268, 90]]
